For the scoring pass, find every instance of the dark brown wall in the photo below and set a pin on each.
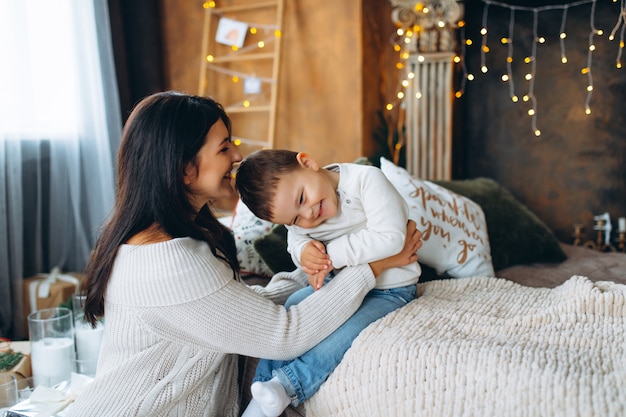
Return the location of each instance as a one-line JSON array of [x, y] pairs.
[[576, 168]]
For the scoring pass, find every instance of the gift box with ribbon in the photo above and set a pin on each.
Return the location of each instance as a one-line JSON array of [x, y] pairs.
[[49, 290]]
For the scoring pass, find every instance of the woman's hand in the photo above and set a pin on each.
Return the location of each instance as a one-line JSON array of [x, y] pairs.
[[406, 256]]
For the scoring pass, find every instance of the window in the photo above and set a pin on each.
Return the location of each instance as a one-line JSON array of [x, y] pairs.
[[38, 75]]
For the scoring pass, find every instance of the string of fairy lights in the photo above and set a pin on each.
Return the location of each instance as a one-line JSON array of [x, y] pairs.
[[271, 33], [404, 39]]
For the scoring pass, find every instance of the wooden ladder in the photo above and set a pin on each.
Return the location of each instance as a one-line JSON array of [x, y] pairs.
[[237, 63]]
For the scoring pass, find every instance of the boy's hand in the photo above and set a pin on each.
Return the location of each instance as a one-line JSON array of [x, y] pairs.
[[315, 263]]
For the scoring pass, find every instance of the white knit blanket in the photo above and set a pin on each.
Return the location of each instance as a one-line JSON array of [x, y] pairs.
[[488, 347]]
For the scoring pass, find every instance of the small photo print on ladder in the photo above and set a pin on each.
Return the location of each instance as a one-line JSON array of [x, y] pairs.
[[231, 32]]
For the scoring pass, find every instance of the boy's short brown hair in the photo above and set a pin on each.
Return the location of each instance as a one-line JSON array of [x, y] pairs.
[[258, 176]]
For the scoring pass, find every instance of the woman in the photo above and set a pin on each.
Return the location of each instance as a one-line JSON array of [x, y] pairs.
[[165, 274]]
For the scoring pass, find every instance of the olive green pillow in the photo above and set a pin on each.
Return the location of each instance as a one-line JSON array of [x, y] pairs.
[[516, 235], [272, 248]]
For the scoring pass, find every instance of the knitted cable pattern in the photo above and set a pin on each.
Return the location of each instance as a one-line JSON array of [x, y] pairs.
[[488, 347]]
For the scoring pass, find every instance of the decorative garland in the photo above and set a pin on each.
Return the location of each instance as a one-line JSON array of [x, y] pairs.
[[408, 19]]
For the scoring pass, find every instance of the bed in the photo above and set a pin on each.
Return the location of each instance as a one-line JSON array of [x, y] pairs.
[[543, 334]]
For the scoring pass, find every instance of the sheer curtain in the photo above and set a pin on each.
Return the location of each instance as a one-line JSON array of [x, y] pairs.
[[59, 129]]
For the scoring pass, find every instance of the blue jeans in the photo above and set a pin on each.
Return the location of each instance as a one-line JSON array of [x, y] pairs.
[[303, 376]]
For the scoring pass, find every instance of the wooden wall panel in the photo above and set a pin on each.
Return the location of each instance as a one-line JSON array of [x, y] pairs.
[[327, 103]]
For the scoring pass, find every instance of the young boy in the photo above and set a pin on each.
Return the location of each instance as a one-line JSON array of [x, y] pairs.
[[336, 216]]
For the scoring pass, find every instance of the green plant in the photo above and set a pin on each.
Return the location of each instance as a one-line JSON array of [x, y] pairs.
[[390, 138]]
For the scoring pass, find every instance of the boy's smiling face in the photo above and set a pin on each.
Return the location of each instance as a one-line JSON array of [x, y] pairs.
[[305, 197]]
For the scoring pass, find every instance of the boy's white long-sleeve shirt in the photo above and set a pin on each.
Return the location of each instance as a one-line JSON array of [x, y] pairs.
[[370, 225], [175, 317]]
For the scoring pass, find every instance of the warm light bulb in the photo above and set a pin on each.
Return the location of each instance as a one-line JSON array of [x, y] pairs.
[[592, 47], [485, 48], [389, 106], [421, 58], [397, 48], [461, 23], [531, 112], [509, 59], [400, 32], [235, 79], [399, 65], [505, 77], [564, 60], [537, 132], [525, 97], [611, 37], [246, 103], [456, 59], [587, 110], [528, 77], [468, 42], [278, 33], [504, 41], [253, 31], [618, 65], [584, 70], [621, 44], [563, 35], [405, 83], [470, 77], [484, 69], [237, 142], [208, 4], [411, 75], [599, 32], [527, 60], [458, 94], [405, 55], [400, 95], [210, 58], [590, 88], [234, 48], [418, 95], [407, 40], [483, 31], [261, 44], [541, 39], [441, 23], [514, 99]]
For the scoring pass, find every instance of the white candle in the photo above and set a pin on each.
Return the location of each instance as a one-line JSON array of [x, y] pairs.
[[88, 341], [621, 223], [52, 360]]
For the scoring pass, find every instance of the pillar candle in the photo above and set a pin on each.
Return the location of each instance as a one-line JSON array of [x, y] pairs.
[[52, 360], [88, 341]]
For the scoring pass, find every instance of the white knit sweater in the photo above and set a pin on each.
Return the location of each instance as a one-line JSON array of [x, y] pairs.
[[370, 224], [174, 317]]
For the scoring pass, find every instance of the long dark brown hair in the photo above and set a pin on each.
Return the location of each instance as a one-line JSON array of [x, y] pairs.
[[162, 135]]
